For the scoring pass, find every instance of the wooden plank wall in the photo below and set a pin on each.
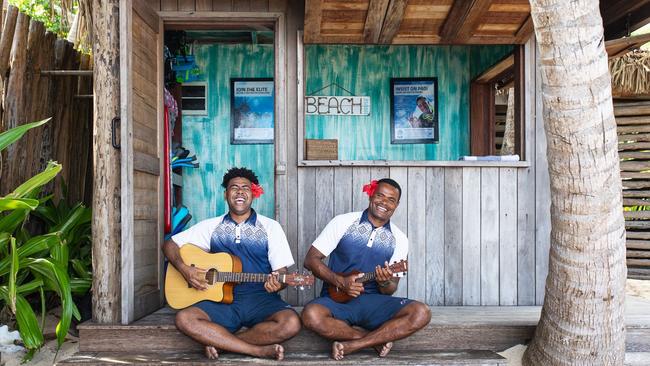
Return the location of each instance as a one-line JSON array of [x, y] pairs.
[[478, 235], [462, 224]]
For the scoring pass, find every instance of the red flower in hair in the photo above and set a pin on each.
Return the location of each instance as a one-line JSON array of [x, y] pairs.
[[370, 187], [257, 190]]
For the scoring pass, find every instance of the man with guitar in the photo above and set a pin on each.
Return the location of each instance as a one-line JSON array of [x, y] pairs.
[[261, 246], [361, 245]]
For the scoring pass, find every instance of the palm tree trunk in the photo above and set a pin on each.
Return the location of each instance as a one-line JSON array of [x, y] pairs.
[[582, 318]]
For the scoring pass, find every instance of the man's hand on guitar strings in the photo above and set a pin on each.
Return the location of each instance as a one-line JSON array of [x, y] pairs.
[[383, 274], [196, 277], [272, 284], [350, 285]]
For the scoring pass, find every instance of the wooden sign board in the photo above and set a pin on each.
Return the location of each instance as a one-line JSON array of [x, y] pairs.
[[321, 149], [333, 105]]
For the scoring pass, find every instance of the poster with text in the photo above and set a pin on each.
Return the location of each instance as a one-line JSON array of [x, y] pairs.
[[251, 111], [414, 110]]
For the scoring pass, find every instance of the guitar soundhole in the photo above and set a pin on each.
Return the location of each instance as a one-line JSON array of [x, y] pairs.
[[211, 276]]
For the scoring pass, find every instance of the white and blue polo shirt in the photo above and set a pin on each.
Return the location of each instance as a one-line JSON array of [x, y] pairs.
[[259, 243], [353, 243]]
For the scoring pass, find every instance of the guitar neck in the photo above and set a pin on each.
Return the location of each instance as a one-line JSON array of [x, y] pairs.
[[369, 276], [240, 277]]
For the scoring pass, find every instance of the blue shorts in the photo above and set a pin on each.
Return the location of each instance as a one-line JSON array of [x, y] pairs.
[[245, 311], [368, 311]]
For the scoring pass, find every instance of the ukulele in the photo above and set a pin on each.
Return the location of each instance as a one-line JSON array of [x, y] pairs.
[[224, 271], [341, 296]]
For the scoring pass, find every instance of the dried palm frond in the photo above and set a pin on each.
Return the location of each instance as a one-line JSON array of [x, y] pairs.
[[631, 73], [80, 30]]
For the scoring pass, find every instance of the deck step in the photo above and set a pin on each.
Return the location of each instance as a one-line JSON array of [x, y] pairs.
[[486, 328], [429, 358], [168, 338], [477, 330]]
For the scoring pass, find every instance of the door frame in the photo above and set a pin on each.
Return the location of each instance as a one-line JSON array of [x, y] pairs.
[[194, 19]]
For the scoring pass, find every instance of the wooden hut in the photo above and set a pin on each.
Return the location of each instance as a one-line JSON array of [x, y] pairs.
[[478, 229]]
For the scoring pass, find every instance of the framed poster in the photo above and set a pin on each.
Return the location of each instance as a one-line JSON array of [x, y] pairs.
[[414, 110], [251, 111]]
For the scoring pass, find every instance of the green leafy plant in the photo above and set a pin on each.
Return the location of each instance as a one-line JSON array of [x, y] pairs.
[[55, 15], [33, 267]]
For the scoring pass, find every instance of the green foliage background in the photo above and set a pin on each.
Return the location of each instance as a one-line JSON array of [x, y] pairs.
[[55, 15]]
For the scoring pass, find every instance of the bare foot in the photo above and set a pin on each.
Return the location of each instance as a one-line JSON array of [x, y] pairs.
[[211, 352], [384, 349], [273, 351], [337, 351]]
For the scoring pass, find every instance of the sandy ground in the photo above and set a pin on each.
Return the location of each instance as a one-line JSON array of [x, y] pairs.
[[640, 290], [47, 354]]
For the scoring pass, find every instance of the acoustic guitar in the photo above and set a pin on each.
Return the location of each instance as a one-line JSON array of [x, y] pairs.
[[339, 295], [224, 272]]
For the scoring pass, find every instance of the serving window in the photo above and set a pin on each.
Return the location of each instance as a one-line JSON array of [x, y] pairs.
[[375, 103]]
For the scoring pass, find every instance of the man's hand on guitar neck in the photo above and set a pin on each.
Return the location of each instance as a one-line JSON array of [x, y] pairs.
[[272, 283], [384, 277]]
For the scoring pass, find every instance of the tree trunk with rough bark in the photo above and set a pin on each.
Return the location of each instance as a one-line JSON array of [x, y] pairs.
[[508, 146], [582, 320], [106, 163]]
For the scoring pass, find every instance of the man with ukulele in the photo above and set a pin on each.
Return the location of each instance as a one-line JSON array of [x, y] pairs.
[[262, 247], [364, 242]]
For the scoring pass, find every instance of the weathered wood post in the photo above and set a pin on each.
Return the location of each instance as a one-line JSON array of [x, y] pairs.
[[106, 158]]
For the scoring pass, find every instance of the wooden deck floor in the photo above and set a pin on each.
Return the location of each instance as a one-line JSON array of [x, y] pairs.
[[155, 340], [428, 358]]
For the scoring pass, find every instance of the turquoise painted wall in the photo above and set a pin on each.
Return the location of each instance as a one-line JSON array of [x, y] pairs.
[[482, 57], [367, 70], [209, 136]]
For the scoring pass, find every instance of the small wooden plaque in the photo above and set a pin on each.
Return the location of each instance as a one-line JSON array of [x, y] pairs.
[[321, 149]]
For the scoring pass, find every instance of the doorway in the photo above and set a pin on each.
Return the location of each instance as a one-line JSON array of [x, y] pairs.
[[222, 79]]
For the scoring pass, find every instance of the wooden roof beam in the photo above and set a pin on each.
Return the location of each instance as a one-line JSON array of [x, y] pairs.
[[313, 19], [499, 68], [621, 46], [636, 19], [393, 20], [462, 20], [374, 20], [525, 31], [615, 10]]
